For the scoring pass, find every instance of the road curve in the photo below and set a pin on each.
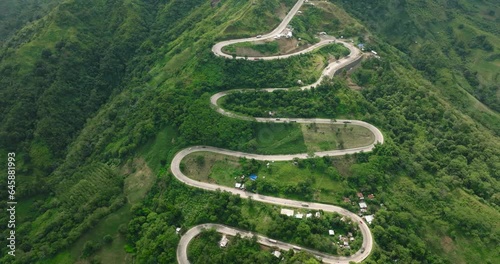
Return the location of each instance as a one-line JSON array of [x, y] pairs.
[[354, 55], [231, 231]]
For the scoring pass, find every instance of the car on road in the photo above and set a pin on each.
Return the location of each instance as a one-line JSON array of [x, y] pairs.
[[259, 36]]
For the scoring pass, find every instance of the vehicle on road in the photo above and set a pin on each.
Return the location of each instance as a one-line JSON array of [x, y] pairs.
[[176, 162]]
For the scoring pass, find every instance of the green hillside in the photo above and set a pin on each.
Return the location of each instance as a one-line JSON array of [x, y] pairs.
[[454, 44], [96, 97], [16, 14]]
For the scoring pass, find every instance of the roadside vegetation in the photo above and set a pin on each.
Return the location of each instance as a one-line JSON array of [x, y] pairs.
[[317, 179], [239, 250], [95, 85], [329, 100], [266, 48], [457, 52], [324, 17]]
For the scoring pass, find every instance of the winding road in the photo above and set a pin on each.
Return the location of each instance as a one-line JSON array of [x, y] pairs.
[[354, 55]]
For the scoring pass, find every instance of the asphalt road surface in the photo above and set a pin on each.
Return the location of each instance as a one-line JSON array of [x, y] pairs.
[[354, 55]]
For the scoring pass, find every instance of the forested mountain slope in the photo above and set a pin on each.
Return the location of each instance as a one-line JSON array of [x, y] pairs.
[[15, 14], [99, 95], [454, 43]]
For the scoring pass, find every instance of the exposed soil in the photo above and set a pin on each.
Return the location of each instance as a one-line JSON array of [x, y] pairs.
[[447, 244]]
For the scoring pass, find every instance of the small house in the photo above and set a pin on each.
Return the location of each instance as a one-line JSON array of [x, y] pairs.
[[331, 232], [369, 219], [223, 241], [287, 212]]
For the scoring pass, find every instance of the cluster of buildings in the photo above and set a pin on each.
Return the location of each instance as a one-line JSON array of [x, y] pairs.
[[363, 207], [343, 240], [298, 215], [239, 184], [286, 33]]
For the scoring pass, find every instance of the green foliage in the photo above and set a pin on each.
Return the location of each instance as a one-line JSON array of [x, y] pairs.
[[85, 87], [14, 15], [444, 42], [276, 139], [323, 17], [217, 73], [267, 48], [225, 131], [205, 249], [331, 99]]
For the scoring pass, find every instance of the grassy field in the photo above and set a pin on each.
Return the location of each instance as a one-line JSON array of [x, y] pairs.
[[294, 138], [211, 167], [278, 139], [227, 170], [157, 151], [321, 137], [266, 47]]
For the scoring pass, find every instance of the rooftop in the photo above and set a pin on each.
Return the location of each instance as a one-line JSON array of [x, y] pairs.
[[287, 212], [223, 241], [369, 218]]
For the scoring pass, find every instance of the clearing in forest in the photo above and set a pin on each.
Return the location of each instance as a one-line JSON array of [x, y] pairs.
[[321, 137]]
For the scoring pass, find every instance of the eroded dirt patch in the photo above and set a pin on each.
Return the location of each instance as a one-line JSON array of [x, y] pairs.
[[139, 179]]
